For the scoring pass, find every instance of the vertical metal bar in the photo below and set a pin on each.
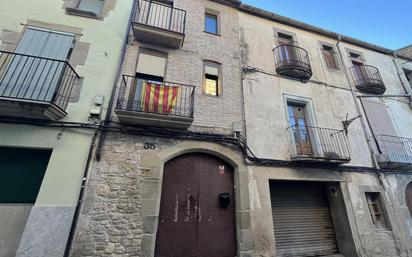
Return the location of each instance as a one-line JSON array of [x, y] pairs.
[[35, 86], [12, 74], [27, 75]]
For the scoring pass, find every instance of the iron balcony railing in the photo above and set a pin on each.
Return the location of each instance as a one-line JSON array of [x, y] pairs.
[[161, 16], [164, 98], [397, 149], [368, 79], [292, 61], [319, 143], [27, 77]]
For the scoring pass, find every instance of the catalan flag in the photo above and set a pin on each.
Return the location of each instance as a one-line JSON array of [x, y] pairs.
[[158, 98]]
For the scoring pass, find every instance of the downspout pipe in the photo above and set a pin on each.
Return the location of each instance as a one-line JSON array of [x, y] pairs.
[[359, 108], [406, 88], [81, 196], [116, 81], [89, 161]]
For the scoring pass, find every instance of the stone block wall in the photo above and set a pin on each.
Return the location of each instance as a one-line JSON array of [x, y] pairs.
[[185, 65], [110, 222], [120, 211]]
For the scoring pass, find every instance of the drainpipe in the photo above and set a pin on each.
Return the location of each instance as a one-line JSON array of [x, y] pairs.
[[81, 196], [100, 142], [119, 69], [407, 88], [359, 108]]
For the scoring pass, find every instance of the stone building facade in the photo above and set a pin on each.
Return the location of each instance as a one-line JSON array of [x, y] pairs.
[[330, 96], [44, 46], [120, 214], [314, 125]]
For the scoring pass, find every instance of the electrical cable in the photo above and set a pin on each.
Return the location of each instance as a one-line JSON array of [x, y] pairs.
[[223, 139]]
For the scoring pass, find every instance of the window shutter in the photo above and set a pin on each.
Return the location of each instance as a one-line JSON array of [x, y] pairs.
[[94, 6], [37, 83], [151, 65], [44, 43], [379, 118]]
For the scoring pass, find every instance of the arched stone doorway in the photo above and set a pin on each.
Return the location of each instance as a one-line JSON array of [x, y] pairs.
[[197, 208]]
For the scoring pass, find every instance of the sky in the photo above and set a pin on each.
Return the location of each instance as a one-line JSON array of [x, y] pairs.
[[387, 23]]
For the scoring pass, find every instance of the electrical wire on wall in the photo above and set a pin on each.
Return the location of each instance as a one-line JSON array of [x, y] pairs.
[[227, 140]]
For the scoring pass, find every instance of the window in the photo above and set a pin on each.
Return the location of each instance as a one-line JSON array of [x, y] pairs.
[[211, 23], [356, 58], [330, 57], [211, 78], [93, 6], [151, 65], [284, 39], [408, 74], [146, 92], [408, 197], [37, 79], [299, 126], [375, 209]]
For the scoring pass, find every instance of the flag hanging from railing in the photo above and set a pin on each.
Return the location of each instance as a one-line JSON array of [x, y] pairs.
[[158, 98]]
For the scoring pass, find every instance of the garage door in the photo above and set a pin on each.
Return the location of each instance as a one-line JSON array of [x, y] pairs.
[[197, 208], [21, 174], [301, 218]]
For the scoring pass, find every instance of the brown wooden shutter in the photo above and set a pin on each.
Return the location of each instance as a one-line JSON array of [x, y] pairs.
[[301, 218]]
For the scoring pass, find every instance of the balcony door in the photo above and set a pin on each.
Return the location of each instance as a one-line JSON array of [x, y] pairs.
[[287, 52], [300, 131], [156, 14], [384, 131], [360, 72], [36, 69], [149, 88]]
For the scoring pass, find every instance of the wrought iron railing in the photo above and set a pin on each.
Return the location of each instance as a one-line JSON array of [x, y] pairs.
[[160, 16], [27, 77], [292, 61], [164, 98], [397, 149], [319, 143], [367, 78]]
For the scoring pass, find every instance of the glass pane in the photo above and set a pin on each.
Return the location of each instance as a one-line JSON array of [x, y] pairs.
[[211, 87], [94, 6], [211, 23], [292, 121]]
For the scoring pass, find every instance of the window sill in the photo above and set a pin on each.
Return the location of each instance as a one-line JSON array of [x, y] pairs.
[[82, 13], [210, 33]]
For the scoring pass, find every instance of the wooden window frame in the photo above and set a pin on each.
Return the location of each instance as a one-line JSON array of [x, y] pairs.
[[376, 209], [331, 50]]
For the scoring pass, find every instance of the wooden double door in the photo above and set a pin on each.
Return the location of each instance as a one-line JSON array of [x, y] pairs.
[[197, 209]]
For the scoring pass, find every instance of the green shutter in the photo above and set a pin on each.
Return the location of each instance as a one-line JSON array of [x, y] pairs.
[[21, 173]]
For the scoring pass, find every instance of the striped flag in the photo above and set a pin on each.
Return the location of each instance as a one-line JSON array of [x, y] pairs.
[[158, 98]]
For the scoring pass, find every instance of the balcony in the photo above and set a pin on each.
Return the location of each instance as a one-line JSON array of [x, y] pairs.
[[292, 61], [158, 104], [34, 87], [315, 144], [160, 24], [368, 79], [395, 152]]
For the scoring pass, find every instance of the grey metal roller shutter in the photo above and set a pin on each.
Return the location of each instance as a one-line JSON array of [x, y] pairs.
[[302, 221]]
